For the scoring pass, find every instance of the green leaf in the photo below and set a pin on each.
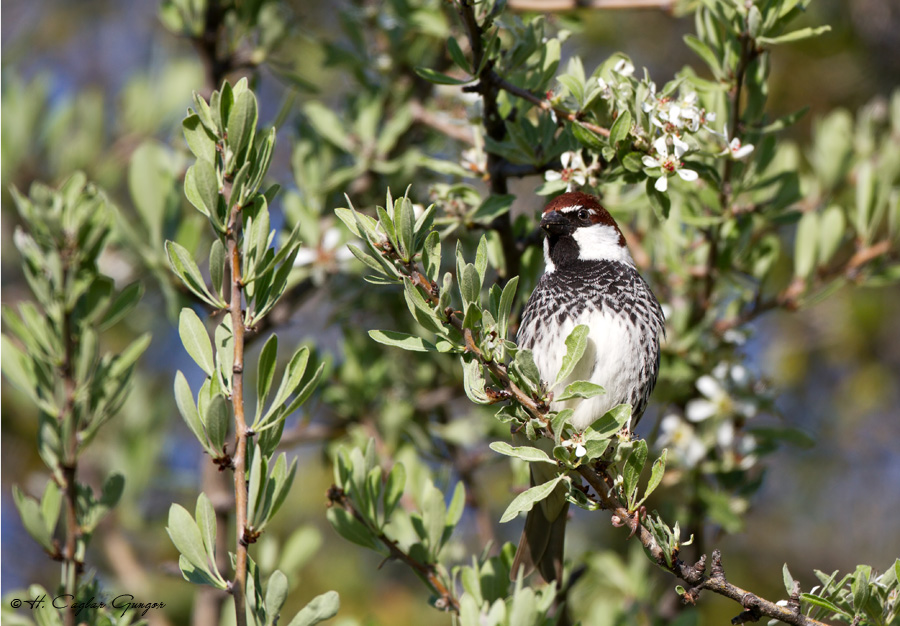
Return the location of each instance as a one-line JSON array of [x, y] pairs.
[[122, 304], [33, 519], [350, 528], [788, 579], [658, 200], [431, 256], [656, 475], [276, 594], [321, 608], [242, 123], [328, 125], [185, 534], [184, 399], [805, 244], [290, 380], [402, 340], [393, 490], [504, 310], [632, 471], [706, 53], [433, 76], [797, 35], [580, 389], [457, 55], [823, 603], [434, 513], [215, 417], [265, 372], [473, 380], [529, 454], [528, 498], [200, 141], [620, 128], [183, 265], [201, 187], [633, 162], [493, 207], [576, 343], [196, 340], [206, 522], [611, 422]]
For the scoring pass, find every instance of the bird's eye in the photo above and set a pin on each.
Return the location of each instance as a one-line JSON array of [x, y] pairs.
[[583, 214]]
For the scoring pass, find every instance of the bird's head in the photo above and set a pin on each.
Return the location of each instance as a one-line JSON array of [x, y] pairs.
[[578, 228]]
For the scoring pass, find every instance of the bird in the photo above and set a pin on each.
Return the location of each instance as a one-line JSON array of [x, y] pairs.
[[589, 278]]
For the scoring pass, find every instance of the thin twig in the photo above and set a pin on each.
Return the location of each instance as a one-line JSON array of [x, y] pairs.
[[447, 600], [239, 586]]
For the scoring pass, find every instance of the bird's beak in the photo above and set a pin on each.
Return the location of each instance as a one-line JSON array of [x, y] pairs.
[[555, 223]]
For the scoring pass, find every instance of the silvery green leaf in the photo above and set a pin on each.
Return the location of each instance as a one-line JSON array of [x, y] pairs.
[[493, 207], [185, 267], [33, 519], [524, 364], [350, 528], [241, 125], [206, 522], [656, 475], [393, 490], [832, 227], [631, 473], [431, 256], [402, 340], [529, 454], [611, 422], [434, 513], [788, 579], [184, 399], [276, 594], [469, 285], [455, 509], [580, 389], [196, 340], [185, 534], [473, 380], [290, 381], [576, 343], [528, 498], [797, 35], [215, 418], [404, 221], [123, 302], [321, 608], [199, 139], [805, 244], [265, 371], [507, 298]]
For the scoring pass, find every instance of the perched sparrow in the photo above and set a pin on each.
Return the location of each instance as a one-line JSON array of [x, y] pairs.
[[589, 279]]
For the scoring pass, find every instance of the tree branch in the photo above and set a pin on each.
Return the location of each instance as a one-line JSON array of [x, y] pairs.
[[239, 586], [552, 6], [716, 582]]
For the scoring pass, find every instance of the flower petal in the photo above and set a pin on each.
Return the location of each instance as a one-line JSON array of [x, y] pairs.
[[661, 184], [688, 175], [699, 410], [710, 387], [649, 161]]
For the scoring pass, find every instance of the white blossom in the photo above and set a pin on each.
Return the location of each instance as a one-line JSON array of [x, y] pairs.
[[669, 164]]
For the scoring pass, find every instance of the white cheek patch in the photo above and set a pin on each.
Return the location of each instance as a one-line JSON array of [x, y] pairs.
[[600, 242]]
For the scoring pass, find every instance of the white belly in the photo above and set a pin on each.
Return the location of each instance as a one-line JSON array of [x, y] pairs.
[[612, 359]]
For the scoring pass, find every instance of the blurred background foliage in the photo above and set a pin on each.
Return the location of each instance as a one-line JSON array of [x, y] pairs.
[[101, 86]]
